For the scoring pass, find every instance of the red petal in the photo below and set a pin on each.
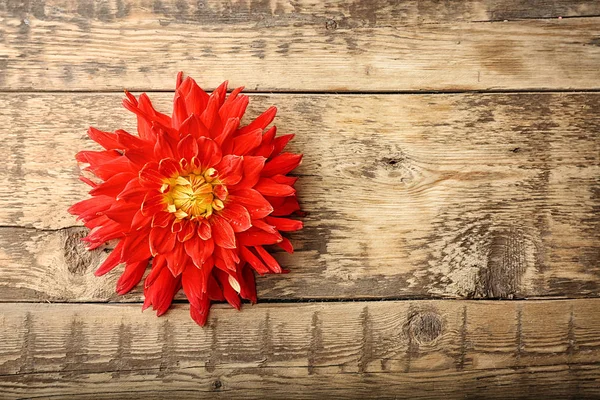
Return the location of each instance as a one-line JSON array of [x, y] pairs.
[[230, 169], [267, 147], [153, 203], [158, 263], [210, 116], [161, 219], [140, 221], [89, 208], [288, 206], [131, 276], [249, 285], [280, 143], [180, 113], [150, 177], [237, 216], [253, 201], [132, 191], [113, 259], [192, 280], [161, 241], [286, 245], [193, 126], [113, 186], [285, 180], [188, 148], [230, 294], [129, 141], [196, 99], [261, 122], [160, 294], [253, 260], [168, 168], [268, 187], [229, 257], [200, 315], [244, 144], [177, 260], [122, 212], [262, 225], [257, 237], [222, 232], [204, 230], [209, 152], [282, 164], [187, 231], [284, 224], [136, 248], [252, 166], [228, 130], [268, 259], [165, 146], [195, 249], [105, 139]]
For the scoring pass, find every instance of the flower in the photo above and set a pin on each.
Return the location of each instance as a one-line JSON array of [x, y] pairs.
[[196, 195]]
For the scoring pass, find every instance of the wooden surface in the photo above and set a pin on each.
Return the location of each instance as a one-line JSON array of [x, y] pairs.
[[391, 349], [304, 45], [452, 152]]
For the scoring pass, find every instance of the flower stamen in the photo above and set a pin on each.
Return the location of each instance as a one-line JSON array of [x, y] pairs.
[[194, 196]]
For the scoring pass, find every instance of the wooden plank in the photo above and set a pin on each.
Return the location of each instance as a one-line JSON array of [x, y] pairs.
[[422, 195], [301, 46], [413, 349]]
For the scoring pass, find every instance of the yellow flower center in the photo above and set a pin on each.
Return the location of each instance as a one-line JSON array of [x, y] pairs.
[[195, 195]]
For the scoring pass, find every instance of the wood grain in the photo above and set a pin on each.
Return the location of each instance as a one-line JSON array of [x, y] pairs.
[[414, 349], [304, 45], [473, 195]]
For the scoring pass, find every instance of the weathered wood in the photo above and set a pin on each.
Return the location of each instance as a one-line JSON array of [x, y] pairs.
[[305, 45], [412, 349], [422, 195]]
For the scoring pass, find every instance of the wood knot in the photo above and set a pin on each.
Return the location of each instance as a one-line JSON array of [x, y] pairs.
[[331, 25], [77, 257], [216, 384], [424, 327]]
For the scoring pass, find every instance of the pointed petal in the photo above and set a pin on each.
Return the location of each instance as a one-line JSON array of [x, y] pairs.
[[244, 144], [113, 259], [253, 260], [161, 240], [209, 153], [230, 169], [237, 216], [131, 276], [268, 259], [188, 148], [222, 232], [284, 224], [268, 187], [261, 122], [282, 164], [253, 201], [136, 248]]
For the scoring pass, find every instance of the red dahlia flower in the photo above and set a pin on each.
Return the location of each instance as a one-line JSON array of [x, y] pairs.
[[196, 193]]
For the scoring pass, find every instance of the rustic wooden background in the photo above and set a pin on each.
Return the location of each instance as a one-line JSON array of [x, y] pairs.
[[451, 180]]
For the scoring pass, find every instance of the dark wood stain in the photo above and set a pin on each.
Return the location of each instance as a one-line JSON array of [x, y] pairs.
[[315, 348], [76, 356], [27, 357], [367, 350], [463, 361], [168, 356], [122, 359]]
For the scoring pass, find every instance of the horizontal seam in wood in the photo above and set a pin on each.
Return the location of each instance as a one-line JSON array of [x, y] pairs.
[[279, 367], [320, 92]]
